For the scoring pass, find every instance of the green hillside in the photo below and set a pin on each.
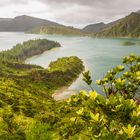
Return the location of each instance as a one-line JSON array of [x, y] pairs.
[[28, 111], [25, 90], [58, 30], [21, 52], [23, 23], [126, 27]]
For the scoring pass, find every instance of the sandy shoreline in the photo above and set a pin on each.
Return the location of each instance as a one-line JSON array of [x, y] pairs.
[[65, 92], [62, 94]]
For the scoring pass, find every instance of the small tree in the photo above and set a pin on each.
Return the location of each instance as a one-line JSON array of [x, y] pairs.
[[90, 116], [123, 79]]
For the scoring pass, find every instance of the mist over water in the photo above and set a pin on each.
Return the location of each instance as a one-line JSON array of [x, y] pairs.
[[98, 55]]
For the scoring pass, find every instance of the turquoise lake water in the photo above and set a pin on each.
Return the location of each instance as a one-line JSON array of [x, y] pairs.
[[98, 55]]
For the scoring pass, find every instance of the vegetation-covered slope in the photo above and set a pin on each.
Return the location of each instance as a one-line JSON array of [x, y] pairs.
[[58, 30], [98, 27], [93, 28], [24, 23], [126, 27], [20, 52], [28, 112], [25, 90], [91, 116]]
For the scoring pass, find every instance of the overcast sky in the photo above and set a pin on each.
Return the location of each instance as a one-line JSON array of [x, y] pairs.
[[76, 13]]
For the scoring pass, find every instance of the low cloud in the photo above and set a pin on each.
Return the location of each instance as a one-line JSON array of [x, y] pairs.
[[9, 2], [80, 11]]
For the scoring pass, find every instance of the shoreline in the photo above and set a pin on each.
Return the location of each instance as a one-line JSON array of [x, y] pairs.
[[26, 61], [63, 92]]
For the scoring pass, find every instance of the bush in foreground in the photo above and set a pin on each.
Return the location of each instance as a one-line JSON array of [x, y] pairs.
[[114, 117], [87, 116]]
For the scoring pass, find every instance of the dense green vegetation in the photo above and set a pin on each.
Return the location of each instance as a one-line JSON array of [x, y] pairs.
[[128, 43], [59, 30], [25, 90], [126, 27], [115, 117], [21, 52], [27, 111]]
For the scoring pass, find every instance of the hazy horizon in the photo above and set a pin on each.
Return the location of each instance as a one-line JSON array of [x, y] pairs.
[[77, 13]]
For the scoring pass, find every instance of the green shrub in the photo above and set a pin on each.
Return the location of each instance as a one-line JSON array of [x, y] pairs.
[[38, 131], [116, 116], [96, 117], [128, 43]]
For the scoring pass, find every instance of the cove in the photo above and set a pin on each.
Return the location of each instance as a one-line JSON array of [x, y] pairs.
[[99, 55]]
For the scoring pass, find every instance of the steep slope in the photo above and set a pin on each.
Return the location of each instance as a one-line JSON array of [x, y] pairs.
[[138, 12], [24, 23], [25, 90], [126, 27], [59, 30], [25, 93]]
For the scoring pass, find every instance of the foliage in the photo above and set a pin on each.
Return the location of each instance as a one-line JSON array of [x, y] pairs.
[[126, 27], [27, 111], [87, 78], [93, 116], [21, 52], [70, 31], [116, 117], [38, 131], [124, 80], [25, 91], [128, 43]]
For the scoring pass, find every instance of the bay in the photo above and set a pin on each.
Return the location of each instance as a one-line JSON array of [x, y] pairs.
[[98, 55]]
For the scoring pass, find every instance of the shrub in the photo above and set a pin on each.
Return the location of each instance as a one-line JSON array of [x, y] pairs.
[[128, 43], [38, 131]]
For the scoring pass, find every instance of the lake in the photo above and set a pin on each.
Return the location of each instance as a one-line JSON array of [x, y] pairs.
[[98, 55]]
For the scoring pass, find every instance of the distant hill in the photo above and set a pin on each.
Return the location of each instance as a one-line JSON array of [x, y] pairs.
[[24, 23], [126, 27], [93, 28], [138, 12], [5, 19], [59, 30], [36, 25]]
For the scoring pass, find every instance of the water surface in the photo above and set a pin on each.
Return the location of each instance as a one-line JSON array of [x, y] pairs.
[[98, 55]]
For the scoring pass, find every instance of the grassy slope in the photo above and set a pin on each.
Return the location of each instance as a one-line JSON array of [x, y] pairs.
[[25, 92], [58, 30]]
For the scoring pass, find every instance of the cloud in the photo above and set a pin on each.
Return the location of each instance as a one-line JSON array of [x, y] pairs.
[[10, 2], [75, 12], [91, 11]]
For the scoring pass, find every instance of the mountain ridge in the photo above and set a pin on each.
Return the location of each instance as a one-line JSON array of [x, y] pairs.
[[128, 26], [58, 30], [94, 27], [97, 27], [24, 23]]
